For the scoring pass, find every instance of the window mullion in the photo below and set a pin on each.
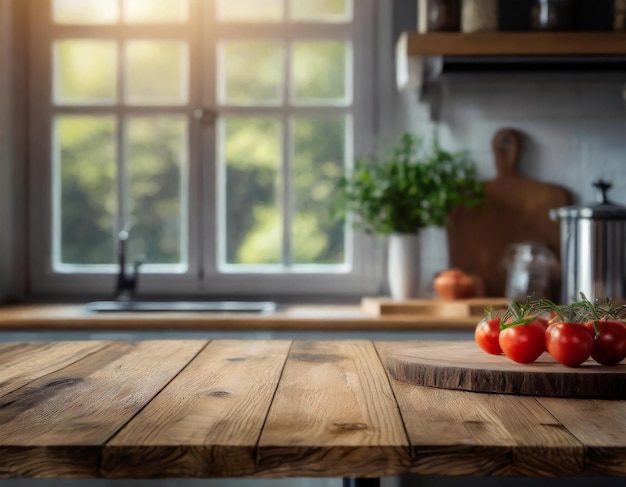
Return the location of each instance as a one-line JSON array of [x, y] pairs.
[[287, 192], [287, 186], [123, 215]]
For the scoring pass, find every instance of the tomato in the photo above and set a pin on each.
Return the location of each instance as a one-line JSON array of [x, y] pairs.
[[609, 348], [486, 335], [523, 343], [569, 343]]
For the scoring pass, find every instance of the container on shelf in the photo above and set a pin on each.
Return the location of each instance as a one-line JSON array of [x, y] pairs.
[[444, 15], [620, 15], [422, 16], [552, 15], [479, 16]]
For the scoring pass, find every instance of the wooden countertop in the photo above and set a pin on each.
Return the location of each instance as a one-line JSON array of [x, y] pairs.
[[162, 409], [303, 317]]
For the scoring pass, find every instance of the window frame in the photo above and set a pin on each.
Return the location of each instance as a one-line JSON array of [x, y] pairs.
[[203, 277]]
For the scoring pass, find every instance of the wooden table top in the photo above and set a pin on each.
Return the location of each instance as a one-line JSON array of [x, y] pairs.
[[156, 409]]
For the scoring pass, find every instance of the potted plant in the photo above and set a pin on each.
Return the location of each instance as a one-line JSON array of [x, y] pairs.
[[412, 189]]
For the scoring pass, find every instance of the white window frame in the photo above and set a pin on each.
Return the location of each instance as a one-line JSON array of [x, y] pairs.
[[203, 277]]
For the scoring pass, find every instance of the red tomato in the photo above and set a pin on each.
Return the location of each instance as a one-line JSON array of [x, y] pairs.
[[569, 343], [609, 348], [523, 343], [486, 335]]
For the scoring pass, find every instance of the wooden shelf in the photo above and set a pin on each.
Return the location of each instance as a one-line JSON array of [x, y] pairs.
[[515, 44]]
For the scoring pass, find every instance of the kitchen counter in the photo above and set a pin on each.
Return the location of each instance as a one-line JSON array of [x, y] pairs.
[[237, 408], [301, 318]]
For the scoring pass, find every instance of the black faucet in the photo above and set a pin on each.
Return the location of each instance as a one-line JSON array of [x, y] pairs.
[[126, 283]]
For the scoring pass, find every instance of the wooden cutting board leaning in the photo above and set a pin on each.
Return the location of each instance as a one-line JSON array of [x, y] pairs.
[[515, 209]]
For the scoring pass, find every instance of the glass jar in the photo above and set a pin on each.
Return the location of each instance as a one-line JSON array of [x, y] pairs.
[[532, 270], [444, 15], [553, 15]]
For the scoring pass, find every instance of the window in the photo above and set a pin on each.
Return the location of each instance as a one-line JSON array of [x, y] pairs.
[[215, 130]]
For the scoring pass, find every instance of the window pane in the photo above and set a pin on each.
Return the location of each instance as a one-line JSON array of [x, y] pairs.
[[85, 197], [318, 163], [319, 72], [85, 11], [253, 222], [157, 165], [250, 10], [251, 73], [85, 72], [322, 10], [149, 11], [157, 73]]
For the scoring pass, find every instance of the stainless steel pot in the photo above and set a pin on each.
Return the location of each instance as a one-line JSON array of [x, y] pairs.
[[593, 248]]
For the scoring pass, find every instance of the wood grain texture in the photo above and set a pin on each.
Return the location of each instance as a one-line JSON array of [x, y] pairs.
[[514, 208], [515, 43], [333, 415], [472, 309], [464, 366], [298, 318], [259, 409], [460, 433], [56, 425], [22, 363], [206, 422], [600, 425]]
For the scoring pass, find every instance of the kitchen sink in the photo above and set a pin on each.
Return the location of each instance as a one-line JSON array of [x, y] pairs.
[[181, 306]]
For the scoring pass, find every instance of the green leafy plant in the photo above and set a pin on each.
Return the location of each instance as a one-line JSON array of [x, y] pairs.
[[412, 189]]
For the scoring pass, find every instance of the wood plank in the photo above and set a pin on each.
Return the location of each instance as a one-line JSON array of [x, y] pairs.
[[21, 363], [461, 433], [206, 422], [56, 425], [601, 426], [333, 415], [515, 43], [464, 366]]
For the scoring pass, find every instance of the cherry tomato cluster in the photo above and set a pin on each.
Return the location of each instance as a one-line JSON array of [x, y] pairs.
[[571, 333]]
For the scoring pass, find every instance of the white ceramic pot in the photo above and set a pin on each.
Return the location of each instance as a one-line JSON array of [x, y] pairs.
[[403, 265]]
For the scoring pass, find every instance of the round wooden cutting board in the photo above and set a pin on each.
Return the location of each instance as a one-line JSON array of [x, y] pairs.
[[463, 366]]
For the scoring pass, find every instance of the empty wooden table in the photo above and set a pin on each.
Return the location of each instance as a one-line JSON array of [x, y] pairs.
[[238, 408]]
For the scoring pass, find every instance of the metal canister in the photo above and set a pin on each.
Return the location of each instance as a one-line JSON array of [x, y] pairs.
[[593, 248]]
